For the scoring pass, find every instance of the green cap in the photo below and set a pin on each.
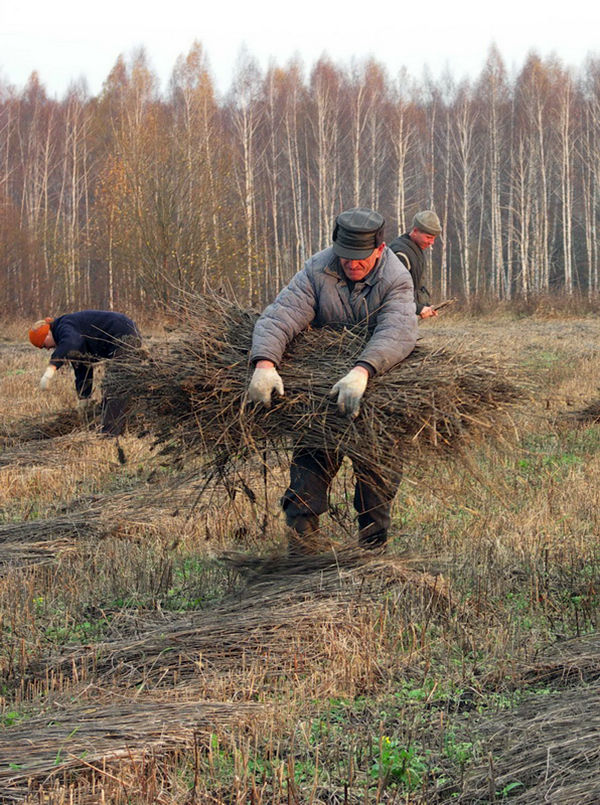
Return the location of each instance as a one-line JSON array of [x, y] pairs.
[[427, 221]]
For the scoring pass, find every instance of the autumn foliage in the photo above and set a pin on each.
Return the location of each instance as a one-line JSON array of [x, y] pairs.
[[121, 200]]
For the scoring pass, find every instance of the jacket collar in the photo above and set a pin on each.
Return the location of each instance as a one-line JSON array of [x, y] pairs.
[[406, 237]]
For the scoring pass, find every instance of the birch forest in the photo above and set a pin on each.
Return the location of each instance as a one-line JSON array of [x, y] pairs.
[[123, 199]]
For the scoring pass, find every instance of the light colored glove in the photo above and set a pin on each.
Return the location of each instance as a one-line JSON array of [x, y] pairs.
[[262, 385], [47, 377], [350, 390]]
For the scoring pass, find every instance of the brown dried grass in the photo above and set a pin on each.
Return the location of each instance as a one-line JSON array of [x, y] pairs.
[[546, 750], [283, 619], [101, 738], [303, 631], [37, 428], [513, 530], [52, 472]]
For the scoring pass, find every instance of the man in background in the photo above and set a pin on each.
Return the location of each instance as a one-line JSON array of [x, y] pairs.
[[410, 248], [82, 339], [356, 281]]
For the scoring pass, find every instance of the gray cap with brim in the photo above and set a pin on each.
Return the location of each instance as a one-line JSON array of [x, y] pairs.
[[357, 233]]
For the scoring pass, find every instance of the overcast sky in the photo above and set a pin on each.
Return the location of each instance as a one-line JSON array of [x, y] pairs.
[[65, 40]]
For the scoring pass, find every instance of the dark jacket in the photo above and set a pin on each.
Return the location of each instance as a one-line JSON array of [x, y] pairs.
[[90, 335], [319, 295], [413, 258]]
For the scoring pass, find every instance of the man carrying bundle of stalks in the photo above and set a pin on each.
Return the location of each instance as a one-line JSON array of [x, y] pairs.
[[84, 338], [357, 281]]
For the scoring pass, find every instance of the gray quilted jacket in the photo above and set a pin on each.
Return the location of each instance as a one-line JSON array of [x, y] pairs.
[[319, 295]]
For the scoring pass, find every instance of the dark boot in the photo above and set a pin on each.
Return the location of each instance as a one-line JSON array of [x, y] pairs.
[[370, 539], [304, 537]]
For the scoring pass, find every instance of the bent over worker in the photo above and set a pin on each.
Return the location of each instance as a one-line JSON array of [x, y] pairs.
[[410, 248], [82, 339], [356, 281]]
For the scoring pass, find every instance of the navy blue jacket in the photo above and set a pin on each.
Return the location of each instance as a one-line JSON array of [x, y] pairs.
[[92, 335]]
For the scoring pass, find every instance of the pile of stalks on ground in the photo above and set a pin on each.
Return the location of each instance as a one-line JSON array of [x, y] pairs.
[[589, 415], [40, 428], [192, 393]]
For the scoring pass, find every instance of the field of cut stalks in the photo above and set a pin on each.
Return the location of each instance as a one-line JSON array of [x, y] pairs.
[[157, 647]]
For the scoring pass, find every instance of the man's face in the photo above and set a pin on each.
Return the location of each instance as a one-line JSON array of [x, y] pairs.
[[49, 342], [357, 270], [423, 239]]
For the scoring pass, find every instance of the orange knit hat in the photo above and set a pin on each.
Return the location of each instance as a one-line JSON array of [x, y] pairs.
[[39, 331]]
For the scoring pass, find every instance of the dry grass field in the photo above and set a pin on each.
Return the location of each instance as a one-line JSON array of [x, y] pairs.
[[155, 647]]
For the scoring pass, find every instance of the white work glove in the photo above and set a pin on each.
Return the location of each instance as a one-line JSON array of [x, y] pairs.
[[350, 390], [47, 377], [262, 385]]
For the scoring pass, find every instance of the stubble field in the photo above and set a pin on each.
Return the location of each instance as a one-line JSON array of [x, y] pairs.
[[152, 650]]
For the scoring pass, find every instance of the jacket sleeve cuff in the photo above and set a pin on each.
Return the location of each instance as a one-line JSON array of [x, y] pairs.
[[255, 360], [370, 369]]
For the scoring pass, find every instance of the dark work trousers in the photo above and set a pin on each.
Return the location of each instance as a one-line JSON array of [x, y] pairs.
[[311, 475]]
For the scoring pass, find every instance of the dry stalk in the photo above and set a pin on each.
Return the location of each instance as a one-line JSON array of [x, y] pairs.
[[191, 392]]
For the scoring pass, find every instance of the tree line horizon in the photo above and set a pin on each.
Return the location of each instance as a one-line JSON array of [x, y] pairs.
[[130, 198]]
